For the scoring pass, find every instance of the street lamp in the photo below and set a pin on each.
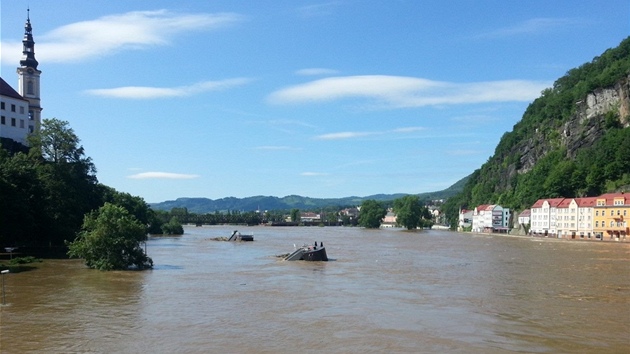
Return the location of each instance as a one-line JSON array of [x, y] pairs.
[[3, 295]]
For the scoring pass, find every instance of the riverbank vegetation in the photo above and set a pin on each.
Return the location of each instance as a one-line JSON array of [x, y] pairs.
[[48, 190]]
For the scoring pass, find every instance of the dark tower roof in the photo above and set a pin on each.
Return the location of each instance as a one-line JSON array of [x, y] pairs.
[[28, 45]]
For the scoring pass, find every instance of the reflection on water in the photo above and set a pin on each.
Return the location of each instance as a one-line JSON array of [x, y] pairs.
[[384, 291]]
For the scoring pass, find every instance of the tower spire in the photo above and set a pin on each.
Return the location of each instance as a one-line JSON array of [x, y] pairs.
[[28, 45]]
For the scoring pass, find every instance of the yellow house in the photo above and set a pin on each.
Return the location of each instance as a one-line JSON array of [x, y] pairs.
[[611, 213]]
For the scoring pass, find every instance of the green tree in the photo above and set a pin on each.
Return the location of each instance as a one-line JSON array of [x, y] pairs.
[[20, 200], [295, 215], [173, 227], [371, 214], [110, 240], [408, 211], [67, 179]]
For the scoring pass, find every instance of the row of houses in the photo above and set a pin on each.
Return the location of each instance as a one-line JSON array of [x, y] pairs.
[[604, 217], [486, 218]]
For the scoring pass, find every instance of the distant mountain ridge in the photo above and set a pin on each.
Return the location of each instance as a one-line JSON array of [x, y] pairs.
[[206, 205]]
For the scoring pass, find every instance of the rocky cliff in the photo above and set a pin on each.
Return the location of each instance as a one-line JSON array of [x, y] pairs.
[[582, 129]]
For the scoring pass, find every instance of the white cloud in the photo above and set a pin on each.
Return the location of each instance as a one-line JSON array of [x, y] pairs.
[[408, 130], [530, 27], [313, 174], [321, 9], [274, 148], [401, 92], [145, 92], [316, 72], [343, 135], [352, 135], [109, 34], [162, 175]]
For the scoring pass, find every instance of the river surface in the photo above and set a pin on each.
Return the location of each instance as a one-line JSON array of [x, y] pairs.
[[383, 291]]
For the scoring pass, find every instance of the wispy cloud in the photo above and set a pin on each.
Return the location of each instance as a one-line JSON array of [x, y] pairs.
[[321, 9], [531, 27], [274, 148], [146, 92], [316, 72], [110, 34], [314, 174], [403, 92], [343, 135], [162, 175], [353, 135]]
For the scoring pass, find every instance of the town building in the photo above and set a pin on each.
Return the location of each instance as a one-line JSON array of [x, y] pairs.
[[524, 217], [20, 111], [575, 218], [465, 219], [544, 214], [310, 217], [390, 219], [611, 216], [490, 218]]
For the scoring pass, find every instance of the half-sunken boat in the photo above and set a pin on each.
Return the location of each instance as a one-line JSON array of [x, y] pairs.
[[237, 236], [309, 253]]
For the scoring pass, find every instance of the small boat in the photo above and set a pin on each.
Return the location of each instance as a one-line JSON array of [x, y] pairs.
[[237, 236], [309, 253]]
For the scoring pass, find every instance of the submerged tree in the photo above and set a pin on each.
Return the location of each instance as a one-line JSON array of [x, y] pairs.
[[408, 211], [372, 214], [110, 240]]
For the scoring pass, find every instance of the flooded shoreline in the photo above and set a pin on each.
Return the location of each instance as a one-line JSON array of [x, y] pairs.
[[383, 291]]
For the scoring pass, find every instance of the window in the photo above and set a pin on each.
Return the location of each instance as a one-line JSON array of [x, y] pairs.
[[3, 120], [29, 88], [21, 109], [2, 105], [31, 129], [12, 108], [30, 115], [596, 212], [13, 122], [22, 123], [612, 223], [596, 223], [612, 213]]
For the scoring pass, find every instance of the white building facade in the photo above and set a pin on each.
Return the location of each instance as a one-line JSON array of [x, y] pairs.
[[490, 218], [21, 110]]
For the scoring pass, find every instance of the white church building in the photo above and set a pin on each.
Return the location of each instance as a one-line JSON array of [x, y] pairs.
[[20, 111]]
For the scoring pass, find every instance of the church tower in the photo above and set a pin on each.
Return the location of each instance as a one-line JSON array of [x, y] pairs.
[[28, 77]]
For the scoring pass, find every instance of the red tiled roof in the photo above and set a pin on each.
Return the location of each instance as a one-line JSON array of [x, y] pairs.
[[610, 197], [586, 202], [553, 202]]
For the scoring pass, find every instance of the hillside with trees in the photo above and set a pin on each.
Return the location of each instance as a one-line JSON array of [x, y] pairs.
[[572, 141]]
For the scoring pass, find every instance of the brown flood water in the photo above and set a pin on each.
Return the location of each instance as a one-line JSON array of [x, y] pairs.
[[383, 291]]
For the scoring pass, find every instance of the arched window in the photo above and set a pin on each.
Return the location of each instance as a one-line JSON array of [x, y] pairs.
[[29, 88]]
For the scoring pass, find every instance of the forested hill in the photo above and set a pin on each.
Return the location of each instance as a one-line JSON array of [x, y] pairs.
[[205, 205], [572, 141]]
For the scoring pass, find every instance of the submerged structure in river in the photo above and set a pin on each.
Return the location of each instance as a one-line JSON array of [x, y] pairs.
[[308, 253]]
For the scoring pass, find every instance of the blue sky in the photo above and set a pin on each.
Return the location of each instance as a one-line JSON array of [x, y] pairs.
[[323, 99]]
